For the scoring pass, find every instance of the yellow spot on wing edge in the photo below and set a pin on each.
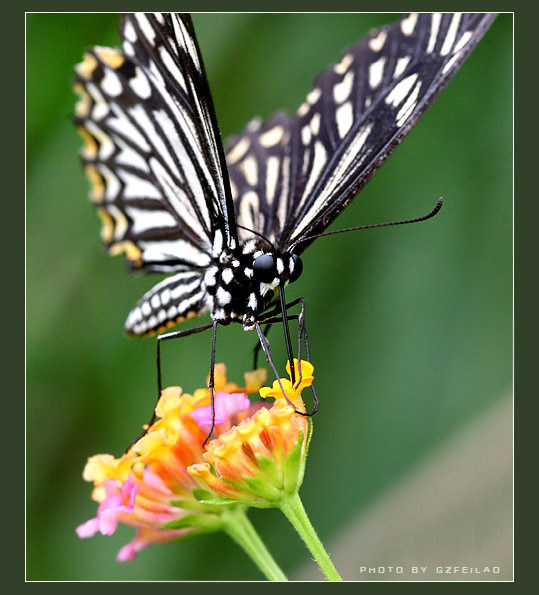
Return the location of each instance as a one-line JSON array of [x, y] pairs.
[[86, 68], [168, 325], [97, 192], [89, 151], [84, 104], [112, 57], [132, 252], [107, 231]]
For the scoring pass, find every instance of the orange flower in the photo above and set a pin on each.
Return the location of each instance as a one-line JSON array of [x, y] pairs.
[[262, 459]]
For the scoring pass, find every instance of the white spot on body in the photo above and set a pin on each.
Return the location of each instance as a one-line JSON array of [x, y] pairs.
[[223, 296], [279, 265], [249, 247], [209, 278], [227, 276], [252, 302]]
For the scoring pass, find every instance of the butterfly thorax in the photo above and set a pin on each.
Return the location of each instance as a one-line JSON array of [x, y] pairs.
[[242, 283]]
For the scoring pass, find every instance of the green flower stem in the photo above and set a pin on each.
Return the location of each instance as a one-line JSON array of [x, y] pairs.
[[293, 509], [239, 528]]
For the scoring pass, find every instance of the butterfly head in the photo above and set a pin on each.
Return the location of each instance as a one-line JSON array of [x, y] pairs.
[[272, 269]]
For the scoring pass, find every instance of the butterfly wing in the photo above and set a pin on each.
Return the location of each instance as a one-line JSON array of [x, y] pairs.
[[155, 161], [291, 176]]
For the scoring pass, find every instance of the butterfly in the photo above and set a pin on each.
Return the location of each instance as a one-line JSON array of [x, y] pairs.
[[228, 223]]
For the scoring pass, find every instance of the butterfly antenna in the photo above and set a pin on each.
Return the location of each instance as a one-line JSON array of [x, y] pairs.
[[434, 211], [257, 234]]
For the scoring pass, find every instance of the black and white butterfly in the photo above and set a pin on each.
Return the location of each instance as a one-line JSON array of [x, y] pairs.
[[229, 224]]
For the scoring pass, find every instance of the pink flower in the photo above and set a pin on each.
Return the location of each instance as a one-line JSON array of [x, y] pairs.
[[116, 503], [226, 405]]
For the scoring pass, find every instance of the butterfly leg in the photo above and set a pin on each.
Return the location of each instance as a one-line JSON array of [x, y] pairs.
[[160, 338], [302, 332], [265, 348], [271, 318], [211, 384], [258, 346]]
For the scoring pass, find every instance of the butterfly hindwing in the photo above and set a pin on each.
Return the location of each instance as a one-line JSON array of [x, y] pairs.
[[171, 301], [357, 113]]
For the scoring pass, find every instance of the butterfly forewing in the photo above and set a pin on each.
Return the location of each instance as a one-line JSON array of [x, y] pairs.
[[301, 171], [165, 45], [153, 155]]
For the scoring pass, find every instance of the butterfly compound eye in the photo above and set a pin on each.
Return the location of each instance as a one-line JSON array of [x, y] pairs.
[[264, 268], [298, 268]]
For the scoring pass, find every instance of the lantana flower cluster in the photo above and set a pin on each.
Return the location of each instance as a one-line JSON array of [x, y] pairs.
[[169, 484]]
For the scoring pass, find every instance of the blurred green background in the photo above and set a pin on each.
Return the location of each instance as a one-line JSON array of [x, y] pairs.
[[410, 327]]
